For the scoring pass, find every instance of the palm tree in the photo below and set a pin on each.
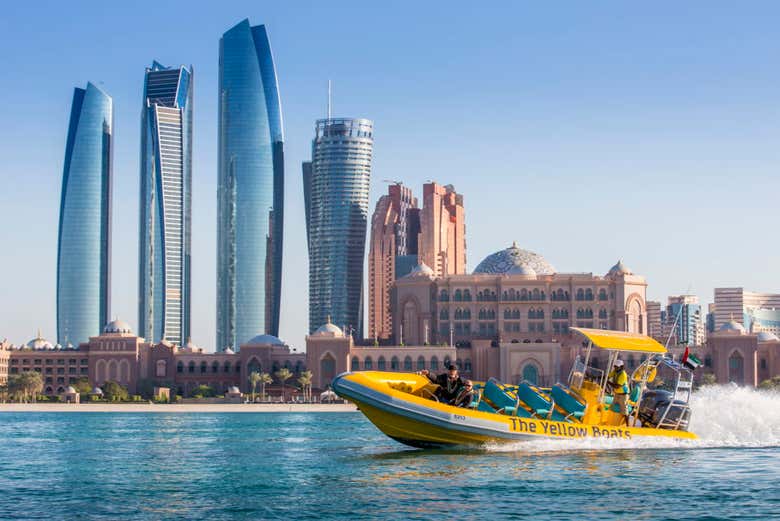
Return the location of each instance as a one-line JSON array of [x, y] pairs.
[[265, 378], [283, 375], [305, 381], [254, 379]]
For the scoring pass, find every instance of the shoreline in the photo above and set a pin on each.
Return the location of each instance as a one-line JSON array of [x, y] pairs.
[[178, 408]]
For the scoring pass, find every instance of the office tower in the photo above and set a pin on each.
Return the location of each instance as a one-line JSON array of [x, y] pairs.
[[392, 253], [738, 305], [165, 207], [683, 321], [335, 185], [84, 239], [442, 230], [654, 326], [250, 191]]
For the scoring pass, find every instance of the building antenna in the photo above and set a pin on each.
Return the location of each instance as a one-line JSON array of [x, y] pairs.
[[329, 99]]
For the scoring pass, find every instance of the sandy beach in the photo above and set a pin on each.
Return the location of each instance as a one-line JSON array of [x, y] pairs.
[[177, 408]]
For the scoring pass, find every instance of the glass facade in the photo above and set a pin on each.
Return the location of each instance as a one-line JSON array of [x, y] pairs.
[[336, 184], [164, 264], [250, 191], [84, 239]]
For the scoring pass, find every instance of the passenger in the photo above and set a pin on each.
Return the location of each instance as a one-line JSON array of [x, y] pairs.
[[618, 381], [449, 383], [465, 396]]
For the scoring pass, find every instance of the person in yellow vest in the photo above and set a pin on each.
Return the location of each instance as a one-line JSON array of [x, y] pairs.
[[618, 381]]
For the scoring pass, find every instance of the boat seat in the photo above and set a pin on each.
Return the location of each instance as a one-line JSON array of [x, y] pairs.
[[573, 406], [501, 399], [484, 407], [541, 406]]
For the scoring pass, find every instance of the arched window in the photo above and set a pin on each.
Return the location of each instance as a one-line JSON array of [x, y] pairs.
[[515, 313], [274, 367], [394, 364], [588, 294], [299, 368], [580, 295], [531, 374], [467, 314], [459, 364], [602, 294], [505, 295], [535, 294], [180, 367], [203, 367], [467, 295], [192, 366], [507, 314], [368, 363], [215, 367], [708, 361], [226, 368], [737, 368], [458, 295], [434, 363], [542, 296], [355, 364], [238, 367], [407, 363], [602, 313], [380, 364], [532, 313], [444, 314], [539, 313], [420, 363], [580, 313], [523, 294], [444, 296], [467, 365]]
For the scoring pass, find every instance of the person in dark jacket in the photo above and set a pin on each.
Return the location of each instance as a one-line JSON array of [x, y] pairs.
[[465, 396], [449, 384]]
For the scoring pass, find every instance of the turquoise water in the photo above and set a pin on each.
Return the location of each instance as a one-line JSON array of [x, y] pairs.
[[337, 465]]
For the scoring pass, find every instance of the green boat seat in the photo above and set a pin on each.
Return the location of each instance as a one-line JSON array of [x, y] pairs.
[[484, 407], [504, 401], [634, 396], [574, 407], [540, 405]]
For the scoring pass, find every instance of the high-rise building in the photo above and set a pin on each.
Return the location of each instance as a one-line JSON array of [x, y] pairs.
[[654, 328], [164, 267], [683, 321], [250, 192], [335, 185], [442, 230], [395, 227], [84, 239], [737, 304]]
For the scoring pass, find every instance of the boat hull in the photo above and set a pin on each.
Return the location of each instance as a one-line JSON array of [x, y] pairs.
[[421, 422]]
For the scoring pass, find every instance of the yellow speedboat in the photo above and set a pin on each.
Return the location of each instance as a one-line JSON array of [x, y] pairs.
[[404, 405]]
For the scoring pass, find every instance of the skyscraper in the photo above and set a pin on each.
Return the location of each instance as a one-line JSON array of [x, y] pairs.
[[442, 230], [165, 206], [392, 252], [335, 185], [683, 321], [250, 193], [84, 239]]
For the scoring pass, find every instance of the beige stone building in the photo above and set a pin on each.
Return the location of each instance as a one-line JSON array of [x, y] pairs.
[[442, 244]]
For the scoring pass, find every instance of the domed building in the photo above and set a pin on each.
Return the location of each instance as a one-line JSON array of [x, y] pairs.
[[117, 327], [515, 296]]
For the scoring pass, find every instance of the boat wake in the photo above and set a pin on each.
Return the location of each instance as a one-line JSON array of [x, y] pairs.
[[723, 416]]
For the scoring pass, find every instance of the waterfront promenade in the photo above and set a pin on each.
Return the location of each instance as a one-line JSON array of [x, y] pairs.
[[178, 408]]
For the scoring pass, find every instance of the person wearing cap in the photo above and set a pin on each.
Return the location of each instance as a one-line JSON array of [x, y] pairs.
[[618, 381], [449, 384]]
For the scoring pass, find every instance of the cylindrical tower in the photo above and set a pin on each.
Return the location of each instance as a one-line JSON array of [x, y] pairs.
[[336, 185]]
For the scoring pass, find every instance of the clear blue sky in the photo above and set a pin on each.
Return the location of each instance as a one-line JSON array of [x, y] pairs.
[[585, 132]]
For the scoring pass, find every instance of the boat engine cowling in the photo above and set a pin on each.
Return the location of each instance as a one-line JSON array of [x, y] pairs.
[[657, 403]]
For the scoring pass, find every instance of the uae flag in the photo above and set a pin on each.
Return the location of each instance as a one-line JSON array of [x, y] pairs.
[[690, 361]]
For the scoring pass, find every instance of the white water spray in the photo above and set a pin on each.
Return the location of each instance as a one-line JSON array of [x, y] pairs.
[[722, 416]]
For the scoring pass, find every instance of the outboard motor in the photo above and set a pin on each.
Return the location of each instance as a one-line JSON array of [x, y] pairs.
[[657, 406]]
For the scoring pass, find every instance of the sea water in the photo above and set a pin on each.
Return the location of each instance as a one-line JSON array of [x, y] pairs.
[[337, 465]]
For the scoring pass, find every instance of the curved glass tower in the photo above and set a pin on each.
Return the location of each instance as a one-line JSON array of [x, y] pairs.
[[84, 240], [165, 206], [335, 186], [250, 191]]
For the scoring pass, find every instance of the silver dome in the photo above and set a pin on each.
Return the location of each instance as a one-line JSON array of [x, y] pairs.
[[515, 260]]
